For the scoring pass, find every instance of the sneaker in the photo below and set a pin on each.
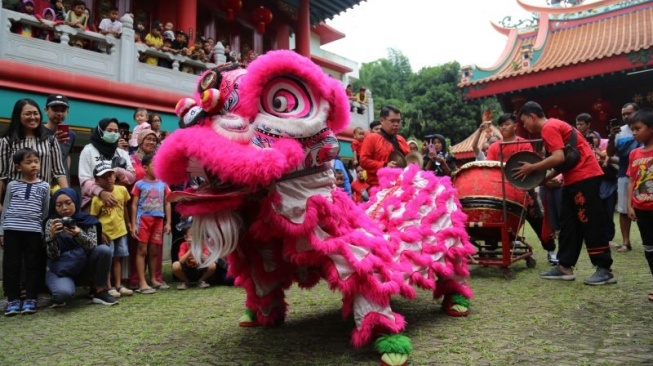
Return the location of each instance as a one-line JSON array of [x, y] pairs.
[[602, 276], [29, 307], [552, 257], [204, 284], [57, 304], [124, 291], [113, 292], [182, 286], [12, 308], [105, 299], [556, 273]]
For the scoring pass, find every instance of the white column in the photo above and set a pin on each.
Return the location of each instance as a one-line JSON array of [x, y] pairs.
[[128, 56]]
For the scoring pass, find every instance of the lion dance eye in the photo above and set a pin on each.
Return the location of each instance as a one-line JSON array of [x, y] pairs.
[[287, 98]]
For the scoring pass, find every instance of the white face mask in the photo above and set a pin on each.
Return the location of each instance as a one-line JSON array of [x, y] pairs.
[[110, 137]]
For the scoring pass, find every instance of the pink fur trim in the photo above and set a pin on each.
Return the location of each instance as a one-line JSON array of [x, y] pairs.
[[283, 62], [264, 165], [376, 324]]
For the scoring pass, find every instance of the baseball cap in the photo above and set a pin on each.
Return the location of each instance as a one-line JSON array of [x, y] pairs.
[[57, 99], [101, 169]]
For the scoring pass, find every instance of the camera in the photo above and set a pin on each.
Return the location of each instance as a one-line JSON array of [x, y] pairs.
[[68, 222]]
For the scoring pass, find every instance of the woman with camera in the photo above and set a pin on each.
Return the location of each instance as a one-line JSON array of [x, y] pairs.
[[103, 149], [71, 240], [438, 159]]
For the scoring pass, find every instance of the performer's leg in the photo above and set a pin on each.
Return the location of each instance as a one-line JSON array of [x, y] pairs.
[[264, 276]]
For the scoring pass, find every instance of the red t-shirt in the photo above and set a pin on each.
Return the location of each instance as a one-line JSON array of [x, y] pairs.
[[554, 133], [184, 248], [357, 188], [356, 147], [640, 170], [509, 150]]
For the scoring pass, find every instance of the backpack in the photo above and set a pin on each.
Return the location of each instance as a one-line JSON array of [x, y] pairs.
[[572, 155]]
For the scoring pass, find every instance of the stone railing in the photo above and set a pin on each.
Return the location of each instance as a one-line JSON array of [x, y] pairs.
[[119, 63]]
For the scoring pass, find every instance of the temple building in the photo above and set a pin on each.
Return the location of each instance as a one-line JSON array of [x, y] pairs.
[[584, 57], [112, 83]]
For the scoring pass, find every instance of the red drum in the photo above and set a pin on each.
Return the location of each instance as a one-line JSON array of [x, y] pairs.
[[481, 196]]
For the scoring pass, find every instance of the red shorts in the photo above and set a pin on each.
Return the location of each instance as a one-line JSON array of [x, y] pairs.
[[150, 230]]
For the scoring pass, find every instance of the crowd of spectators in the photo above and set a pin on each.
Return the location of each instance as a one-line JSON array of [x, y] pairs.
[[161, 37], [56, 237]]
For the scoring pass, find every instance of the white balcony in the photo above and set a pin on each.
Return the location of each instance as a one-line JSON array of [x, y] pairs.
[[119, 64]]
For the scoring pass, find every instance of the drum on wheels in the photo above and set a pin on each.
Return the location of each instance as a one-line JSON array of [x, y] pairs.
[[495, 214]]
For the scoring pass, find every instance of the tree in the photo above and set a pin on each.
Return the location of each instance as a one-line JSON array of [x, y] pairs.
[[430, 100]]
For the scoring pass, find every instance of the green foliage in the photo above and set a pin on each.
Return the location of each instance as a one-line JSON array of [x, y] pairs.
[[429, 100]]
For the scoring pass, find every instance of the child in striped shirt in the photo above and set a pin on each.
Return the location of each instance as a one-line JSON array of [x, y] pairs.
[[21, 232]]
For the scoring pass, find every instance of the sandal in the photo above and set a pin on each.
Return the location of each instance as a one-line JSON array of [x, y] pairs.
[[146, 291], [204, 284], [161, 286], [624, 248], [182, 286]]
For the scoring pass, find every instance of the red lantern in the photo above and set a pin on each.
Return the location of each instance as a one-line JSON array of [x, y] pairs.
[[232, 7], [262, 17], [602, 109]]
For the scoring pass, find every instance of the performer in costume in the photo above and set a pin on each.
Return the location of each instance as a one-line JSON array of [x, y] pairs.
[[302, 228]]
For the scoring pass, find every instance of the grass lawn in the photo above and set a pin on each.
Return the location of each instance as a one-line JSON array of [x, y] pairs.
[[526, 321]]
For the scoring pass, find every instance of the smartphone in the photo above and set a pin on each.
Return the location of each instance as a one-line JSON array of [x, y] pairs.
[[432, 148], [124, 134], [63, 128]]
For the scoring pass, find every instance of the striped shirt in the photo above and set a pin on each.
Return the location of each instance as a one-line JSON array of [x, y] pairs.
[[49, 152], [26, 206]]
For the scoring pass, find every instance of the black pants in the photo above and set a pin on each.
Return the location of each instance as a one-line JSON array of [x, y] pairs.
[[645, 225], [21, 247], [581, 219], [535, 218], [609, 203]]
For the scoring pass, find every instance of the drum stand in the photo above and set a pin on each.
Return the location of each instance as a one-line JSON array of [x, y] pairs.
[[486, 236]]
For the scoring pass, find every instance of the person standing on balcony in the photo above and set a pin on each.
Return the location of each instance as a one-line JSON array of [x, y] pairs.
[[78, 16], [154, 40], [360, 103], [378, 148], [56, 109], [59, 10], [25, 30], [111, 26]]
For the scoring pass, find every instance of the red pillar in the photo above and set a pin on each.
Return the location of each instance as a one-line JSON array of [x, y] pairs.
[[283, 37], [303, 31], [187, 17]]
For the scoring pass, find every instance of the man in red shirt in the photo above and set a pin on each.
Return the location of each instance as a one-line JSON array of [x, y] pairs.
[[507, 124], [581, 211], [377, 147]]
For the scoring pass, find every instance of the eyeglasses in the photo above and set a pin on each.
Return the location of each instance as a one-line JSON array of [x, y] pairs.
[[30, 114]]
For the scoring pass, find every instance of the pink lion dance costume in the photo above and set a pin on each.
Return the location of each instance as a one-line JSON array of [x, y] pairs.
[[268, 201]]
